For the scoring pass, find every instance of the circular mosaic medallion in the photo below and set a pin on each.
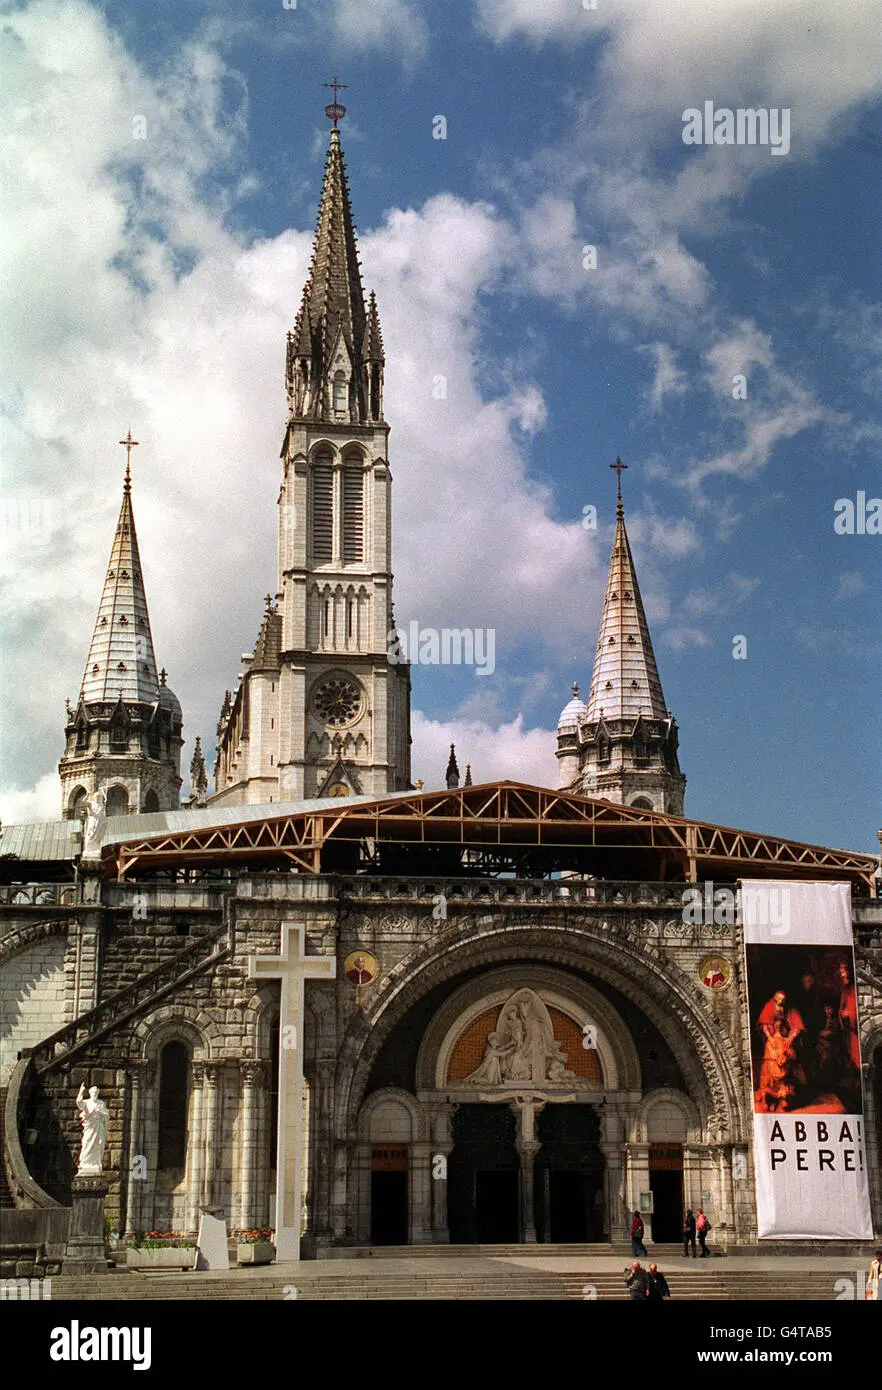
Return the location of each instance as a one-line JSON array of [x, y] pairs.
[[360, 967], [337, 702], [715, 972]]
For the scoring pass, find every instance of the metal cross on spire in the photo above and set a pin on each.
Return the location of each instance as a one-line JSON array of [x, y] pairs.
[[335, 111], [129, 444], [619, 468]]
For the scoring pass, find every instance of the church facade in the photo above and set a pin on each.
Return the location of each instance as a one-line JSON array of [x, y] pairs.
[[523, 1010]]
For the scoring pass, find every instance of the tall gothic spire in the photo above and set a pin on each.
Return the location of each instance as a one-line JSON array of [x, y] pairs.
[[625, 680], [622, 746], [335, 338], [124, 737], [121, 658]]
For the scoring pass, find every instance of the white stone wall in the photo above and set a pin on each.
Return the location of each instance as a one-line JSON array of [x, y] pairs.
[[32, 999]]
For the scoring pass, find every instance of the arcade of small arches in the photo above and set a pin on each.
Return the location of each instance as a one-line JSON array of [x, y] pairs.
[[118, 801]]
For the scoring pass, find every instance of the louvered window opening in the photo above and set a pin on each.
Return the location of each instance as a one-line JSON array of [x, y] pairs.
[[353, 514], [322, 513]]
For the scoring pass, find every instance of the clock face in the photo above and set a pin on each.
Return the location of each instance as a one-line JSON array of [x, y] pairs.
[[337, 702]]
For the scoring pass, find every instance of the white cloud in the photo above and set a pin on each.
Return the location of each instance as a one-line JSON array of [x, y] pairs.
[[668, 379], [130, 303], [818, 58], [383, 24], [496, 752], [538, 20], [680, 639], [849, 585], [40, 803]]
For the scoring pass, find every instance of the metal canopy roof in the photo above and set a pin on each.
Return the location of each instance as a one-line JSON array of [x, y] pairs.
[[504, 818]]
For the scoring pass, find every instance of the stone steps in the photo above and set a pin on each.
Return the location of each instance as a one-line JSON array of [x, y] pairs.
[[319, 1282]]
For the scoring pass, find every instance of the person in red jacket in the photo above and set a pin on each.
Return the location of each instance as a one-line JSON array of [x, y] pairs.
[[637, 1230], [702, 1226]]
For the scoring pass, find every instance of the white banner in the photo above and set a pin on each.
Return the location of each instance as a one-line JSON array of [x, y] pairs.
[[809, 1144]]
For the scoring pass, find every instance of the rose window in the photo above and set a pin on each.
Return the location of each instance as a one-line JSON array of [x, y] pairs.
[[337, 702]]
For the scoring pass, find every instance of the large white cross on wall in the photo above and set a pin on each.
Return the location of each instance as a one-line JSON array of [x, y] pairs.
[[292, 967]]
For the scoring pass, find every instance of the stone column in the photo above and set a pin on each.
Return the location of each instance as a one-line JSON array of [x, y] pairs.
[[136, 1156], [421, 1183], [360, 1156], [253, 1074], [441, 1119], [692, 1156], [321, 1178], [212, 1078], [527, 1150], [613, 1122], [638, 1176], [725, 1218], [527, 1147], [195, 1151]]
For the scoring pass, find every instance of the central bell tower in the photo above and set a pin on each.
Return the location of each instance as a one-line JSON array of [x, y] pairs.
[[320, 709]]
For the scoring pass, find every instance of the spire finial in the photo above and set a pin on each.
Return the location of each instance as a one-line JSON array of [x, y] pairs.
[[452, 774], [619, 468], [335, 111], [129, 444], [575, 689]]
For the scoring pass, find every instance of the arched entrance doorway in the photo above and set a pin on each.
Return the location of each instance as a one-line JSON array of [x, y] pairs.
[[569, 1172], [483, 1177]]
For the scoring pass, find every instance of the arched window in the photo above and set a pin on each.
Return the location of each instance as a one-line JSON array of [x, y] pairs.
[[174, 1076], [117, 801], [603, 751], [341, 393], [641, 803], [151, 801], [119, 736], [76, 806], [82, 737]]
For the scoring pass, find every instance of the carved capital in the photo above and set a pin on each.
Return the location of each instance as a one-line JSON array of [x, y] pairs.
[[253, 1070]]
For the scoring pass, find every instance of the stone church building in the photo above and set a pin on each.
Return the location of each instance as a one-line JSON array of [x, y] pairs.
[[511, 1028]]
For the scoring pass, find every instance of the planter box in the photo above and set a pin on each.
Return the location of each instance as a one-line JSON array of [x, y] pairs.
[[263, 1253], [162, 1257]]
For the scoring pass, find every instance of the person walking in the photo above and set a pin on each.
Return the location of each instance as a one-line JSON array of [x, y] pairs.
[[873, 1278], [637, 1232], [702, 1226], [689, 1235], [637, 1281], [658, 1285]]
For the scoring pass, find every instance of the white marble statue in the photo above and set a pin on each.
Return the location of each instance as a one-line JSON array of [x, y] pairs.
[[93, 1117], [522, 1048], [93, 829]]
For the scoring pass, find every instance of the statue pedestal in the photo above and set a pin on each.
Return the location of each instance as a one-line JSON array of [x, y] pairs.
[[85, 1243]]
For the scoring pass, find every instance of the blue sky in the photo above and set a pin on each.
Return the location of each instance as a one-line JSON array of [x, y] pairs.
[[152, 282]]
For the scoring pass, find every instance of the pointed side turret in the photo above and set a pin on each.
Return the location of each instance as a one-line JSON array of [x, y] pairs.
[[451, 776], [124, 736], [622, 745]]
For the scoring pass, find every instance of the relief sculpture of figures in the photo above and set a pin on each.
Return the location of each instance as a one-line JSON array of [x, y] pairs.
[[522, 1047]]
